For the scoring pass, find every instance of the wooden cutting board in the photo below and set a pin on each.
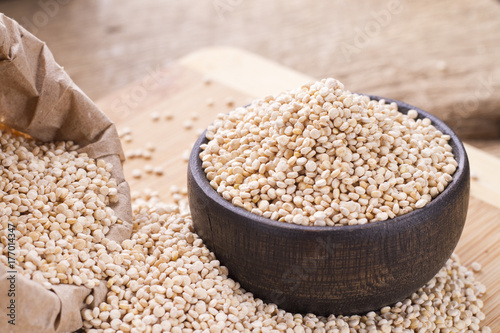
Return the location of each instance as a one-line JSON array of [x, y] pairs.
[[196, 88]]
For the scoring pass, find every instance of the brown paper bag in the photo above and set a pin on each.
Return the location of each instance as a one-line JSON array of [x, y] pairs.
[[37, 97]]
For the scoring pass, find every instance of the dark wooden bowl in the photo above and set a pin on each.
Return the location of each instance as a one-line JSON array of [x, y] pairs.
[[339, 270]]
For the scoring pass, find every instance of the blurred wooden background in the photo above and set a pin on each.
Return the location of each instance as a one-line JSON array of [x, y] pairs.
[[442, 56]]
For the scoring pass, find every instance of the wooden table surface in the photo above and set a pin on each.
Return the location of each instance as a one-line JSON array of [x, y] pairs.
[[443, 56], [179, 89]]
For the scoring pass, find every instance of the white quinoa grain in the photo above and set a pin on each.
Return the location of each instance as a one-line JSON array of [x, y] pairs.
[[476, 267], [136, 173], [158, 171], [150, 146], [420, 203], [412, 114], [89, 299], [124, 131], [185, 155], [188, 124], [127, 138], [148, 168], [169, 116], [155, 116]]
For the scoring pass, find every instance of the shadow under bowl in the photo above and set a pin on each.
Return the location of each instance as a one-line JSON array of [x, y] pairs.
[[332, 270]]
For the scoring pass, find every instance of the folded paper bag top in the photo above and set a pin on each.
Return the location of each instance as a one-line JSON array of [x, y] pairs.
[[38, 98]]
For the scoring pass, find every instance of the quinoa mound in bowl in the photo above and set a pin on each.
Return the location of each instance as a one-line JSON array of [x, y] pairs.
[[380, 189], [320, 155]]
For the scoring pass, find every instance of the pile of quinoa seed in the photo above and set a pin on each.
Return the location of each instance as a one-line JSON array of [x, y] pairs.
[[320, 155], [173, 283], [57, 200]]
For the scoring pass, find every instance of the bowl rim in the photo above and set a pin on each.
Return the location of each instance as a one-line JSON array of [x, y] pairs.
[[459, 152]]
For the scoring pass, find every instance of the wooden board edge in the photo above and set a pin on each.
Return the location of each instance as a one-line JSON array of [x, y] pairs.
[[485, 175], [236, 68]]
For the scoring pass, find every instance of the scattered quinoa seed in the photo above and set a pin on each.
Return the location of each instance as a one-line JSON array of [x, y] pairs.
[[129, 154], [185, 155], [476, 267], [150, 147], [124, 131], [174, 189], [155, 116], [127, 138], [188, 124], [148, 168], [136, 173], [229, 101], [158, 171], [169, 116]]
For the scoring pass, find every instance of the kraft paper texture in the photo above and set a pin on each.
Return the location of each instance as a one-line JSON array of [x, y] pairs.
[[37, 97]]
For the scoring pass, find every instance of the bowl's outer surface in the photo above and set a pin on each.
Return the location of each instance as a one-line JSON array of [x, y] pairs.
[[340, 270]]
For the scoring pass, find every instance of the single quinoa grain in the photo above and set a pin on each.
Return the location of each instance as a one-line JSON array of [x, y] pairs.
[[188, 124], [158, 171], [155, 116], [136, 173], [476, 267], [169, 116], [321, 148]]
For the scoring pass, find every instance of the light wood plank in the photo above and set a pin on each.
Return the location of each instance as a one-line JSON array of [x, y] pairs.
[[443, 56], [179, 89], [257, 76]]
